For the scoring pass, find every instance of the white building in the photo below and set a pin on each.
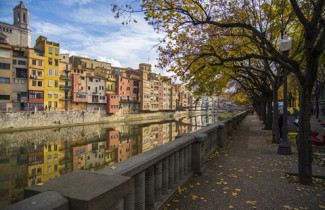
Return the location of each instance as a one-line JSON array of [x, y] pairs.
[[18, 34]]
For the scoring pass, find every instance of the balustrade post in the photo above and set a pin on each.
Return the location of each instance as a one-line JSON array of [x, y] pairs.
[[149, 187], [171, 171], [220, 138], [229, 126], [129, 198], [139, 190], [176, 168], [165, 173], [181, 164], [158, 181], [198, 153], [185, 160]]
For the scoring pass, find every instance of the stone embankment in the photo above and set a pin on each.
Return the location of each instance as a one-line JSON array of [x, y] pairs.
[[43, 119]]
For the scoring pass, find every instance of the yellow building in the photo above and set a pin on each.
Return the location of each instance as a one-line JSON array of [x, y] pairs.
[[51, 161], [65, 83], [36, 79], [51, 52], [145, 90], [5, 77]]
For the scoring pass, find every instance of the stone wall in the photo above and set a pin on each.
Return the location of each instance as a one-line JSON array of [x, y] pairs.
[[20, 120]]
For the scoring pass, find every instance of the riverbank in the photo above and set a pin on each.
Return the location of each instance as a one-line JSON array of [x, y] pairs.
[[22, 121]]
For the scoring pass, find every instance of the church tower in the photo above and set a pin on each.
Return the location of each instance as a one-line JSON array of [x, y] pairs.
[[21, 16]]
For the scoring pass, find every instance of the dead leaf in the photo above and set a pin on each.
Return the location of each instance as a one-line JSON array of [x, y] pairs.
[[234, 194], [251, 202], [321, 206], [226, 188], [179, 190], [194, 197], [231, 207], [175, 201], [237, 189], [287, 207], [113, 167]]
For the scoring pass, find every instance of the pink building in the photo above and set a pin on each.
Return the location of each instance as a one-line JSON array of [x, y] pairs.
[[113, 103]]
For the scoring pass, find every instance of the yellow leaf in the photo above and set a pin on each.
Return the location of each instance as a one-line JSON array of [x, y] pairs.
[[176, 201], [231, 207], [225, 192], [234, 194], [202, 198], [198, 183], [113, 167], [194, 197], [251, 177], [226, 188], [225, 183], [241, 170], [287, 207], [237, 189], [251, 202], [179, 190]]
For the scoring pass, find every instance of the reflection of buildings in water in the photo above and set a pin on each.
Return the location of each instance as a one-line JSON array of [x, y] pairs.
[[113, 142], [51, 161], [35, 164], [13, 173]]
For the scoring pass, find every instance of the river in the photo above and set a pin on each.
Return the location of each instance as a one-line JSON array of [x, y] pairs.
[[33, 157]]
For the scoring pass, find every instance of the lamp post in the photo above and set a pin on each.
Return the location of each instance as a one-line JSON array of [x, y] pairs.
[[284, 147]]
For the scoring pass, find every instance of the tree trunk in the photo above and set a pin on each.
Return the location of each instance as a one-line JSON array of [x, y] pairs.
[[317, 102], [263, 111], [304, 144], [275, 123], [268, 125]]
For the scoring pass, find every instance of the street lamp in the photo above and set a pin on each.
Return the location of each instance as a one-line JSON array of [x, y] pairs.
[[284, 147]]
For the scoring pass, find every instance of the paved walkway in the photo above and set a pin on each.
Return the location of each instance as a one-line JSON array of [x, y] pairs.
[[248, 173]]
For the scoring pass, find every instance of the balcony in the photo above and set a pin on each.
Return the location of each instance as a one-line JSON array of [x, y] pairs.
[[65, 98], [65, 77], [65, 87]]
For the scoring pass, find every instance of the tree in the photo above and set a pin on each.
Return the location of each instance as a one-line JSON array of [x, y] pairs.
[[224, 32]]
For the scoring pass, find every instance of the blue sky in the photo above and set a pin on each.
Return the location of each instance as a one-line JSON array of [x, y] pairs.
[[88, 28]]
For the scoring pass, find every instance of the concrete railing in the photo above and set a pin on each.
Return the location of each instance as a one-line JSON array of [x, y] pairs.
[[145, 181]]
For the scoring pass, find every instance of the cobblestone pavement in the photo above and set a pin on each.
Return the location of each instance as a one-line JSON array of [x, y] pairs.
[[247, 174]]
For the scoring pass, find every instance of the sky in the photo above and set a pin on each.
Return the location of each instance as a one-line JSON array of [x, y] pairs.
[[88, 28]]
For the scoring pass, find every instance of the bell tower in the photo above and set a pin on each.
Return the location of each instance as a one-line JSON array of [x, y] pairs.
[[21, 16]]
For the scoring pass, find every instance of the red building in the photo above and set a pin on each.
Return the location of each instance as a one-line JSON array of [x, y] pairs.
[[113, 103]]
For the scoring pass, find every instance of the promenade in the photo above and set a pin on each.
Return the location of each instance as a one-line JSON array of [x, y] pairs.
[[248, 173]]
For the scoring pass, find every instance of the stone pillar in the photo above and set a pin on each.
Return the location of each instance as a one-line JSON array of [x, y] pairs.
[[158, 181], [176, 168], [181, 164], [139, 191], [220, 138], [185, 160], [129, 198], [165, 173], [149, 186], [171, 171], [198, 155]]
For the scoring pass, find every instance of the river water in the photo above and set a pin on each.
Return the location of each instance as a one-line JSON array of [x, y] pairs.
[[33, 157]]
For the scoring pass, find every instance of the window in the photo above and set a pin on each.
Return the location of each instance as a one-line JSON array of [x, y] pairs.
[[34, 62], [90, 79], [34, 72], [56, 83], [50, 71], [21, 62], [55, 94], [34, 83], [16, 81], [55, 104], [4, 65], [56, 72], [23, 81], [128, 88], [4, 80], [50, 104], [39, 83], [4, 97], [56, 62], [49, 158], [56, 51], [14, 61], [39, 73], [88, 87], [5, 54], [40, 63], [50, 61], [50, 83], [50, 50], [49, 169], [49, 94], [55, 167]]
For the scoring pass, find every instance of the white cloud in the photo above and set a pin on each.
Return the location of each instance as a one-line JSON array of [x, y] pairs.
[[72, 2], [112, 61]]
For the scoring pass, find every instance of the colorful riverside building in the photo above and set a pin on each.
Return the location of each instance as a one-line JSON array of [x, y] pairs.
[[51, 52], [65, 83], [145, 90], [5, 76]]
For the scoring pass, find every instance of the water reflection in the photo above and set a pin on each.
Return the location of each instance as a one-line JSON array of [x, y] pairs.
[[33, 157]]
